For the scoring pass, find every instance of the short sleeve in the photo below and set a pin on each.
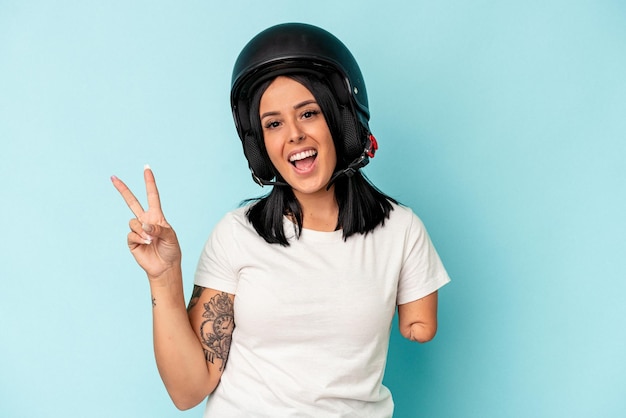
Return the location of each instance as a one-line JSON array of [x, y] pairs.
[[215, 268], [422, 271]]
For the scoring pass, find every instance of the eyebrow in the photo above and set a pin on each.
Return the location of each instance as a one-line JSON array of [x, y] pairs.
[[296, 107]]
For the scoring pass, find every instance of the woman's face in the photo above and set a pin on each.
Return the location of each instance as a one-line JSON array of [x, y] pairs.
[[297, 137]]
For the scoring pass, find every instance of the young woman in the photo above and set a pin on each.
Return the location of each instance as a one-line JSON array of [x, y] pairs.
[[294, 292]]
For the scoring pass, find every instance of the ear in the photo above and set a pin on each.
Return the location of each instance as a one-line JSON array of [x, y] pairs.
[[257, 160]]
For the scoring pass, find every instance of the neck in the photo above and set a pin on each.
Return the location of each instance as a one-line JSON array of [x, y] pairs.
[[320, 210]]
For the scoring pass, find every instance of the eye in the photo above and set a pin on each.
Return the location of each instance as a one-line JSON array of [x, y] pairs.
[[310, 113], [271, 124]]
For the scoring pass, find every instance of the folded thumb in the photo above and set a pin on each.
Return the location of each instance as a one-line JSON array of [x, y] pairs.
[[162, 232]]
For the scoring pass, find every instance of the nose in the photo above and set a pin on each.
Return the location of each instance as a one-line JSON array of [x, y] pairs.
[[296, 134]]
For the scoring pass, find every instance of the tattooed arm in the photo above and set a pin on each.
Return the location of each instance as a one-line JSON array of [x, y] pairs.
[[190, 345], [212, 318], [180, 357]]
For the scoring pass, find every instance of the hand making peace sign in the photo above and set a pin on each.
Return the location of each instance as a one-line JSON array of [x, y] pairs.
[[152, 241]]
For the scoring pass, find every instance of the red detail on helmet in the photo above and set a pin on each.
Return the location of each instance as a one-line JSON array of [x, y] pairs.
[[373, 147]]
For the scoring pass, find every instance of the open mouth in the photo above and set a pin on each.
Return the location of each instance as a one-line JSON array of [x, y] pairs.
[[303, 160]]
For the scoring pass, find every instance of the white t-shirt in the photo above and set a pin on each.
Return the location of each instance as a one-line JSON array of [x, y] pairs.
[[312, 320]]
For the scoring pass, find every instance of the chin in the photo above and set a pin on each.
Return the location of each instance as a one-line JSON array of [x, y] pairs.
[[319, 187]]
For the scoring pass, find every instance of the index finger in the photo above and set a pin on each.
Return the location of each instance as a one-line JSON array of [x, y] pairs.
[[128, 196], [154, 201]]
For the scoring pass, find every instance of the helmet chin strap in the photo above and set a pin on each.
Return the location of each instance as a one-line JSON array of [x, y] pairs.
[[358, 163], [354, 166], [349, 171], [262, 182]]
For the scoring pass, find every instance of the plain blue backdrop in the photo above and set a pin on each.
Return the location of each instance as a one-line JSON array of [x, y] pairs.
[[502, 124]]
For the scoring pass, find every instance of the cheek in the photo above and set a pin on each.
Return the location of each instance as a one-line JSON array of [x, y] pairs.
[[332, 151], [273, 149]]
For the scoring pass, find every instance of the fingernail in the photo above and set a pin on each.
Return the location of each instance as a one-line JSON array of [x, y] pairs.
[[147, 227], [113, 178], [147, 241], [147, 167]]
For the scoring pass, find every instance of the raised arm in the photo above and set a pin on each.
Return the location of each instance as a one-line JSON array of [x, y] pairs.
[[179, 353], [418, 319]]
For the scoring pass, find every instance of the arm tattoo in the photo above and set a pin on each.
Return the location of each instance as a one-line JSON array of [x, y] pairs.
[[216, 331], [195, 296]]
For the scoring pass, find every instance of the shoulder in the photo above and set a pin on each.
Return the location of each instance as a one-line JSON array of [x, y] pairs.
[[236, 218], [403, 227], [229, 234], [403, 217], [401, 211], [234, 226]]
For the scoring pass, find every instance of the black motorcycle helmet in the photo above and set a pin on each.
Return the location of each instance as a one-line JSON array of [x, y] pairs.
[[302, 48]]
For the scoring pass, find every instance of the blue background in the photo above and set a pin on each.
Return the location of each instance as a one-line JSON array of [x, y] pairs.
[[500, 123]]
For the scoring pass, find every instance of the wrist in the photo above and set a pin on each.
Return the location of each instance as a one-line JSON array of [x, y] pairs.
[[167, 277], [167, 286]]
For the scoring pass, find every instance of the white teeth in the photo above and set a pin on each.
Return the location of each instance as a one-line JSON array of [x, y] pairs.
[[302, 155]]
